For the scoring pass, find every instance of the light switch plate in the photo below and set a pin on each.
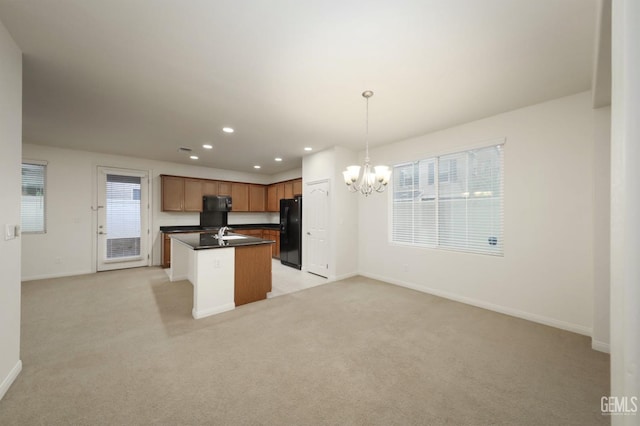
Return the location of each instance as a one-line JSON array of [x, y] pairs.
[[9, 232]]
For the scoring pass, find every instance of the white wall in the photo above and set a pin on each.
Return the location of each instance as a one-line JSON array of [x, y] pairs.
[[11, 176], [547, 273], [602, 235], [345, 217], [343, 230], [288, 175], [69, 246]]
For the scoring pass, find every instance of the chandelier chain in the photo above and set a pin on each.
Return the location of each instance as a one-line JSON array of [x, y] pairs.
[[366, 137]]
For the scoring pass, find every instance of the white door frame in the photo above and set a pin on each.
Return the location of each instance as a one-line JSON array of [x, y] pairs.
[[145, 232], [310, 208]]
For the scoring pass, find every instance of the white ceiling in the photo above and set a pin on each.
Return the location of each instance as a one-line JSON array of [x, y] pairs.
[[145, 77]]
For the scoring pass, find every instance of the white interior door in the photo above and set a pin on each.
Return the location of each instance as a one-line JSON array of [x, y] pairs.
[[317, 207], [123, 219]]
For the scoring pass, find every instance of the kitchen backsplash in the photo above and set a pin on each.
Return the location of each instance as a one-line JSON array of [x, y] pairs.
[[239, 218]]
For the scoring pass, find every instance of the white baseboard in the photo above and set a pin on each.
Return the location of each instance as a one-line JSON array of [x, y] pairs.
[[11, 377], [345, 276], [178, 277], [217, 310], [58, 275], [600, 346], [575, 328]]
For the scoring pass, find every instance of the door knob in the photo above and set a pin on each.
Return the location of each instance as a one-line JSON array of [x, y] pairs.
[[308, 233]]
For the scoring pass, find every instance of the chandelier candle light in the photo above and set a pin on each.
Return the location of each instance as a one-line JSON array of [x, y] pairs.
[[370, 180]]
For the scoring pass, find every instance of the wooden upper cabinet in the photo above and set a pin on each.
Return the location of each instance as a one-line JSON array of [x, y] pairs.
[[273, 203], [184, 194], [288, 190], [209, 187], [192, 195], [280, 191], [240, 197], [297, 187], [257, 198], [224, 188], [172, 193]]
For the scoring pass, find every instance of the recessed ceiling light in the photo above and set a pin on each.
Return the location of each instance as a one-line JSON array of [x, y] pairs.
[[256, 167], [207, 146], [308, 148], [278, 159], [194, 157], [227, 129]]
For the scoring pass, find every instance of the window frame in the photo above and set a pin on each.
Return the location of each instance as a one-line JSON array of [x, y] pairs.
[[434, 158], [44, 165]]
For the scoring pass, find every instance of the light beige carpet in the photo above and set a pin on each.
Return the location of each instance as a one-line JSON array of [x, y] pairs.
[[121, 348]]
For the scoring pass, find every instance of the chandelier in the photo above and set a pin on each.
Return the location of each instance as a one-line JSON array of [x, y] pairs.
[[372, 178]]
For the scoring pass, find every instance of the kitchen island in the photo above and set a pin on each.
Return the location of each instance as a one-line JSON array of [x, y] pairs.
[[267, 231], [225, 273]]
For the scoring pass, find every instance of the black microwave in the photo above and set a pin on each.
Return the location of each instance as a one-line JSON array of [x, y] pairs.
[[216, 203]]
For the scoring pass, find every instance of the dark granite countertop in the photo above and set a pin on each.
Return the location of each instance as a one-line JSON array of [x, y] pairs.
[[206, 240], [196, 228]]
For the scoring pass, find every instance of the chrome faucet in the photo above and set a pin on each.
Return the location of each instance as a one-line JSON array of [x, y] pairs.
[[222, 231]]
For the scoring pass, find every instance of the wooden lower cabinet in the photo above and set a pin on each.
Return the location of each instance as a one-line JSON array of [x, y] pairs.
[[252, 273], [166, 251], [267, 234], [275, 248], [165, 254], [250, 232]]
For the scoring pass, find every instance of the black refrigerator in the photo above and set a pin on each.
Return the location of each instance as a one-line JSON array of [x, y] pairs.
[[291, 232]]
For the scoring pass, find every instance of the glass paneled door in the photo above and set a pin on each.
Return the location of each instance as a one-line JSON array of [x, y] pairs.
[[123, 218]]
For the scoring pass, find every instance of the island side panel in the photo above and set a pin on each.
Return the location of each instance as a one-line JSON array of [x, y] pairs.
[[253, 273], [180, 253], [213, 281]]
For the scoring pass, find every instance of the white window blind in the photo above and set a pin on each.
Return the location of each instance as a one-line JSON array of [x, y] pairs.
[[453, 201], [32, 207], [123, 216]]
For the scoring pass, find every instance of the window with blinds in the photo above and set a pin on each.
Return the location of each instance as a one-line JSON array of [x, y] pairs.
[[123, 216], [32, 207], [453, 201]]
